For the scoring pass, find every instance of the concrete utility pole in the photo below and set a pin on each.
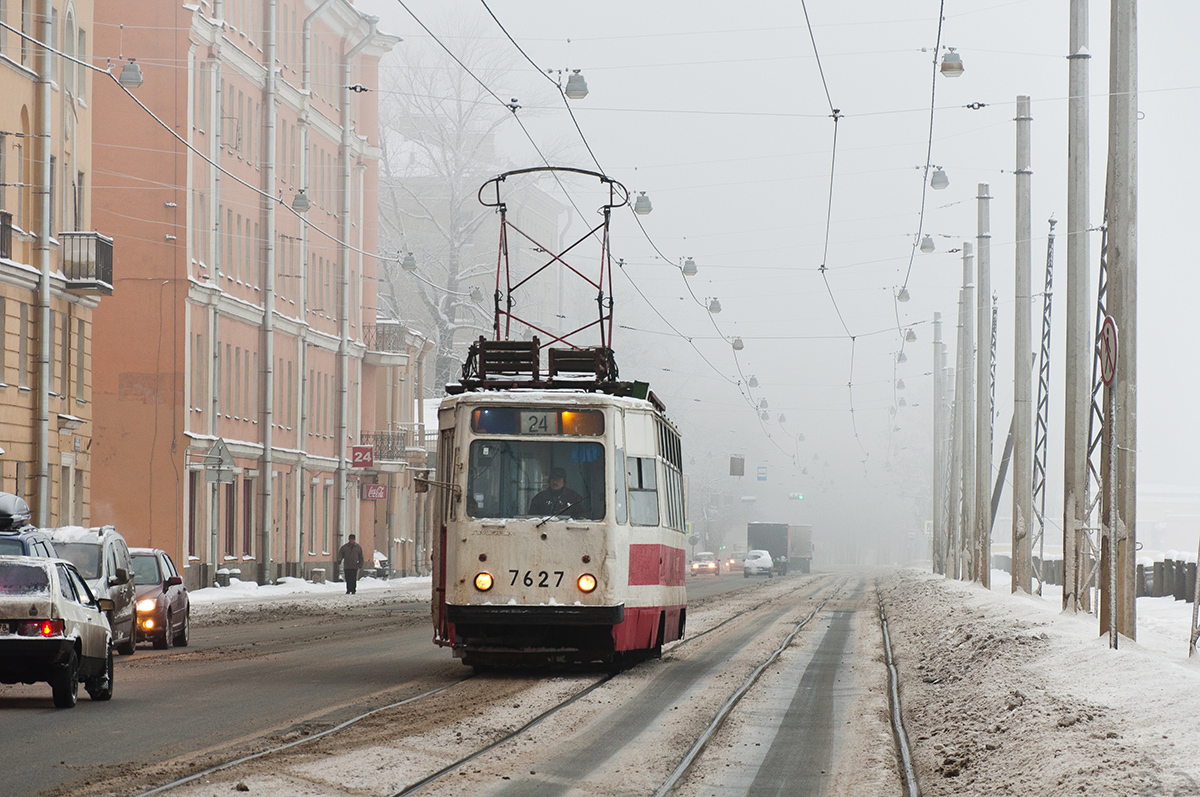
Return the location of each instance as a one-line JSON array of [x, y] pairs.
[[939, 445], [969, 512], [984, 399], [1121, 211], [1079, 345], [1022, 559], [954, 519]]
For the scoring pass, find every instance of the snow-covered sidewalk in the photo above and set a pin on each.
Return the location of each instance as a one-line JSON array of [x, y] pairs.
[[1007, 694]]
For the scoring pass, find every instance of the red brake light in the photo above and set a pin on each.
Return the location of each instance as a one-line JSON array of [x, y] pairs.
[[42, 628]]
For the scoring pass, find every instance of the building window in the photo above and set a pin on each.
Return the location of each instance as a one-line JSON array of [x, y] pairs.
[[79, 363], [195, 496], [325, 519], [248, 517], [64, 373], [68, 48], [23, 348], [77, 517], [82, 71], [80, 198], [230, 518], [64, 495], [237, 382], [3, 342], [26, 29], [312, 519]]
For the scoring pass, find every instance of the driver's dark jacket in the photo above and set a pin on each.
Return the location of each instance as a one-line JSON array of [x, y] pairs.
[[561, 502]]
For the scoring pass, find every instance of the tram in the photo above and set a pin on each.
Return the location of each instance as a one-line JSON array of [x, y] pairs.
[[559, 508], [560, 526]]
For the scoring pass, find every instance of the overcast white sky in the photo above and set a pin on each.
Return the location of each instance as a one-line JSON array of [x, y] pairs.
[[717, 110]]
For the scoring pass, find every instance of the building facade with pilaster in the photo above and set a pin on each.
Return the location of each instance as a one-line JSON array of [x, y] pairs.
[[245, 359], [54, 267]]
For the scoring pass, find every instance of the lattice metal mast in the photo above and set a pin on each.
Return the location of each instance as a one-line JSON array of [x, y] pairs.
[[1041, 421], [1089, 560]]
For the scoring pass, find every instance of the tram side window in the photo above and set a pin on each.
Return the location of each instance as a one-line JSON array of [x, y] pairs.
[[643, 491], [619, 477], [513, 479]]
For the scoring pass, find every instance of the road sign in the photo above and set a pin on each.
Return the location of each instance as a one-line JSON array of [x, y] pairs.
[[362, 456], [219, 463], [1108, 350], [762, 473]]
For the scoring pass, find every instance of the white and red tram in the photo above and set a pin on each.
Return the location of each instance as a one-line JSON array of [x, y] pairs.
[[598, 576]]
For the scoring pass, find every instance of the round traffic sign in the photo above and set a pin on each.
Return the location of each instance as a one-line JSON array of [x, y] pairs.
[[1108, 350]]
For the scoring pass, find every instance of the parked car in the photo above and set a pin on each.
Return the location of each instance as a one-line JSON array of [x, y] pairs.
[[163, 608], [102, 556], [706, 562], [17, 537], [53, 629], [758, 563]]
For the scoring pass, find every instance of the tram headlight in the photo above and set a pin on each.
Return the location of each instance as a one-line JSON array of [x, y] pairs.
[[483, 582], [586, 583]]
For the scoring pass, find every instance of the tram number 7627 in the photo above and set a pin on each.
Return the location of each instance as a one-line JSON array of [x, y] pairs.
[[541, 578]]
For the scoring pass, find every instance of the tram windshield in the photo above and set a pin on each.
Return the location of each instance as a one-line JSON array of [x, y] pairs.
[[536, 478]]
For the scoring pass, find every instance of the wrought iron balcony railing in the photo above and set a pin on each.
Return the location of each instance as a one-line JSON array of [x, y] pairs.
[[384, 337], [397, 445], [87, 262]]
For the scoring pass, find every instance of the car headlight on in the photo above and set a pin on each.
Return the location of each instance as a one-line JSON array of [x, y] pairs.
[[147, 605], [483, 582], [586, 582]]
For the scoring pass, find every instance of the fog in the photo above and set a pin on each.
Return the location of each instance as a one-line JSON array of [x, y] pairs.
[[721, 113]]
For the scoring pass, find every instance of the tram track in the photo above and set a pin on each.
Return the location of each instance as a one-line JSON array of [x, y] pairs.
[[408, 711]]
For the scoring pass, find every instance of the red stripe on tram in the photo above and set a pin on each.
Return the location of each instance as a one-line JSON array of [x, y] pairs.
[[653, 564]]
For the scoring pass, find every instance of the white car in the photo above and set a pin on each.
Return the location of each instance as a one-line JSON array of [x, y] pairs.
[[758, 563], [53, 629]]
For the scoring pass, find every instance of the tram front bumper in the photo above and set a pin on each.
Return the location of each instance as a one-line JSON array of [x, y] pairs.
[[509, 614]]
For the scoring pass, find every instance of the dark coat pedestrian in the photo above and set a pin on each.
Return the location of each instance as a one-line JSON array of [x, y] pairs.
[[351, 557]]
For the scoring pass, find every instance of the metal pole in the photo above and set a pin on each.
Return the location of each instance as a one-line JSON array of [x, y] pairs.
[[1121, 211], [939, 442], [970, 538], [983, 396], [1022, 521], [1079, 344]]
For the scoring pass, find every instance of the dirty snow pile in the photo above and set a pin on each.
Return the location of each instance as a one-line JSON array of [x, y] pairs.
[[1006, 694]]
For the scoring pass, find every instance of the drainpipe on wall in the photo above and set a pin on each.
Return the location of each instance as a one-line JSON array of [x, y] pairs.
[[302, 356], [268, 326], [214, 304], [344, 261], [44, 129]]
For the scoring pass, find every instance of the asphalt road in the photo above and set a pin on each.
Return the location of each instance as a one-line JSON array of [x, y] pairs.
[[244, 683], [232, 685]]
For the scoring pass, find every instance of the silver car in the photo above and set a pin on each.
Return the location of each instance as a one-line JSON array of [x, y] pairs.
[[53, 629]]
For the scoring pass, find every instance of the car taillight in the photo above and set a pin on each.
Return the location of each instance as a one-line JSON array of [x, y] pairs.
[[42, 628]]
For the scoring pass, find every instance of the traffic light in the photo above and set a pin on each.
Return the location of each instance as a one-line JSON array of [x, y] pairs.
[[796, 496]]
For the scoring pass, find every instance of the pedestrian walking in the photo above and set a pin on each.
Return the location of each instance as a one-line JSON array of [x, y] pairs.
[[351, 557]]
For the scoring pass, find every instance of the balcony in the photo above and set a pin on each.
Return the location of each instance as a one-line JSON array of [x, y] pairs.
[[403, 444], [87, 261], [5, 235], [384, 337], [385, 344]]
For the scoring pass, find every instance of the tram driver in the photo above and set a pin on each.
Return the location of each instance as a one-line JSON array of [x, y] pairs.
[[558, 498]]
